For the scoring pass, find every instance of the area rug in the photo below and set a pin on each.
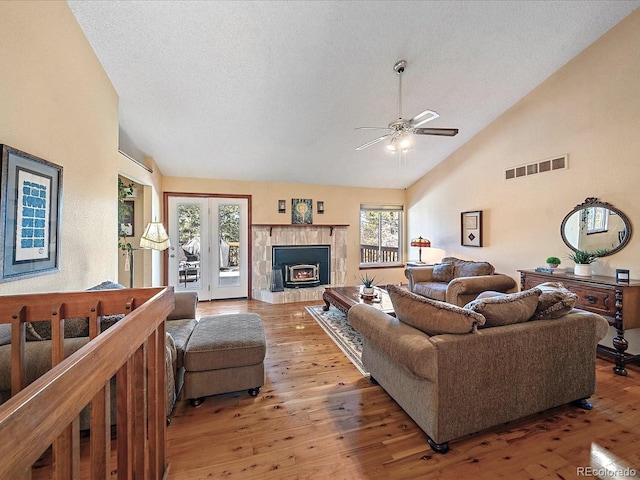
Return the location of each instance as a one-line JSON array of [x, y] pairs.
[[348, 339]]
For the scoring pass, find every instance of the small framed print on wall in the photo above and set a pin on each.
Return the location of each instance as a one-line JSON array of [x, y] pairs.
[[127, 222], [471, 228], [301, 210]]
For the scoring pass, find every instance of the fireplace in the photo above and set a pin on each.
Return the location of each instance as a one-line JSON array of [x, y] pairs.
[[301, 275], [303, 266]]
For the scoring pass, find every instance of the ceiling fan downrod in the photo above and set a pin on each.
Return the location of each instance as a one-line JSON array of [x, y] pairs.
[[399, 69]]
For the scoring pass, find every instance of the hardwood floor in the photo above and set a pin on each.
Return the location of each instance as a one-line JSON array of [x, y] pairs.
[[317, 417]]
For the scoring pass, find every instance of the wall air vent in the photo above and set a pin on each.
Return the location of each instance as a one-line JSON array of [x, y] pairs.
[[548, 165]]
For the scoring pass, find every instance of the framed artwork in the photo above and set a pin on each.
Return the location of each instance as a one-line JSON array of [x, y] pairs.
[[471, 228], [31, 196], [127, 220], [301, 210]]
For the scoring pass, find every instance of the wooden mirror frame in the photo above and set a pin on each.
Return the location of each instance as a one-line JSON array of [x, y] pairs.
[[593, 202]]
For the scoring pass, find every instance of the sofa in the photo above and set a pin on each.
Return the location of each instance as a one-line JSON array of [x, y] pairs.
[[457, 281], [457, 371], [179, 325]]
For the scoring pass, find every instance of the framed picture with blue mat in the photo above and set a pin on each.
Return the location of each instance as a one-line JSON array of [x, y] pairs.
[[31, 197]]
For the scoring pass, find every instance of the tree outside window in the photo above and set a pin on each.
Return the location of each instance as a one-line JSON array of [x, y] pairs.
[[380, 235]]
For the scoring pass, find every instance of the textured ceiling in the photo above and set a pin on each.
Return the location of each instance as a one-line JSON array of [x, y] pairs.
[[273, 91]]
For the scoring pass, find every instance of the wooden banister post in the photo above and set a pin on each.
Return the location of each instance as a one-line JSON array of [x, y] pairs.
[[124, 387], [18, 340], [100, 423]]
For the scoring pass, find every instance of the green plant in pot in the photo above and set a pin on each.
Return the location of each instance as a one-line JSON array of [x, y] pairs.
[[584, 259], [367, 284], [553, 262]]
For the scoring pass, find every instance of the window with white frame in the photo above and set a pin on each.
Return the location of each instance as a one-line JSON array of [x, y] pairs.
[[381, 235]]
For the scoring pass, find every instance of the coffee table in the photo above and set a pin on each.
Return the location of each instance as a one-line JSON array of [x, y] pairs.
[[343, 298]]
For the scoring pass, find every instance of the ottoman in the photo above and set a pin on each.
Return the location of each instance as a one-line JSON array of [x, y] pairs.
[[225, 353]]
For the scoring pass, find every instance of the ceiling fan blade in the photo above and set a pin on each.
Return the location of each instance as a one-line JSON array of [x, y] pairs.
[[423, 118], [445, 132], [372, 128], [372, 142]]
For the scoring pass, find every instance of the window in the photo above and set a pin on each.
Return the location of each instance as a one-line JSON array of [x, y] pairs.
[[597, 219], [380, 235]]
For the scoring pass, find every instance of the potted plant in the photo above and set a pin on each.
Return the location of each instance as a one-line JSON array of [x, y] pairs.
[[368, 284], [583, 261], [553, 262]]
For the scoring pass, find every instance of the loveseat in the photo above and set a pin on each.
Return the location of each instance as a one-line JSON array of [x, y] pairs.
[[457, 281], [457, 371], [179, 326]]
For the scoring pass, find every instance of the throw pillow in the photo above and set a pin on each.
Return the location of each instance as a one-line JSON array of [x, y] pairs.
[[506, 309], [108, 285], [468, 268], [490, 294], [431, 316], [73, 327], [5, 334], [443, 272], [30, 334], [555, 301]]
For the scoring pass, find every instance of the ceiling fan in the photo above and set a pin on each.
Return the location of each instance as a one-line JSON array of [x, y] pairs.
[[400, 130]]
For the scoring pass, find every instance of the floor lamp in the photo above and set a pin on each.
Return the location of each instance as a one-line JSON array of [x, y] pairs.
[[154, 237]]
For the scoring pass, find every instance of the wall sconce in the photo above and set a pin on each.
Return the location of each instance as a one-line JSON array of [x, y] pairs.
[[282, 206], [320, 205]]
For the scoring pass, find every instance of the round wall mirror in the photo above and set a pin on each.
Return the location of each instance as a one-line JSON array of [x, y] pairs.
[[596, 226]]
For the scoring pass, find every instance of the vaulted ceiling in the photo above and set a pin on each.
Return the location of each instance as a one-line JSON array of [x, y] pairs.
[[274, 90]]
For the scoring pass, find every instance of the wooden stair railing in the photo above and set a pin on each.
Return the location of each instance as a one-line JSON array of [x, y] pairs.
[[46, 412]]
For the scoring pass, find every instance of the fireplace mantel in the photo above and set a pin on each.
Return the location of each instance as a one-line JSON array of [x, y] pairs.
[[297, 225]]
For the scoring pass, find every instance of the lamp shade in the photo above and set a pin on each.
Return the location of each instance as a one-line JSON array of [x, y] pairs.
[[155, 237], [420, 242]]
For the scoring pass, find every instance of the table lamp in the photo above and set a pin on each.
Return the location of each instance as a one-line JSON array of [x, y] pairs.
[[420, 242]]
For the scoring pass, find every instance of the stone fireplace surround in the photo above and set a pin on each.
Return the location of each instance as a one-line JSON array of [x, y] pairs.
[[266, 236]]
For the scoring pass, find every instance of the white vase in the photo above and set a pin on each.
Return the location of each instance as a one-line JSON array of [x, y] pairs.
[[368, 291], [582, 270]]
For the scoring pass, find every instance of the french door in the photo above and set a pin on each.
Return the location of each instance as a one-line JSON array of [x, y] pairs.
[[209, 251]]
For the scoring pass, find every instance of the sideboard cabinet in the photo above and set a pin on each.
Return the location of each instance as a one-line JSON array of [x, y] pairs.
[[618, 302]]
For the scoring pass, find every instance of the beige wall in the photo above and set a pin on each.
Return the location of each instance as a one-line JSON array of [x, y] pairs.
[[588, 109], [58, 104], [341, 204]]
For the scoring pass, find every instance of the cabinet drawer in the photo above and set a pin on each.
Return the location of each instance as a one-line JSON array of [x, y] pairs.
[[596, 300]]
